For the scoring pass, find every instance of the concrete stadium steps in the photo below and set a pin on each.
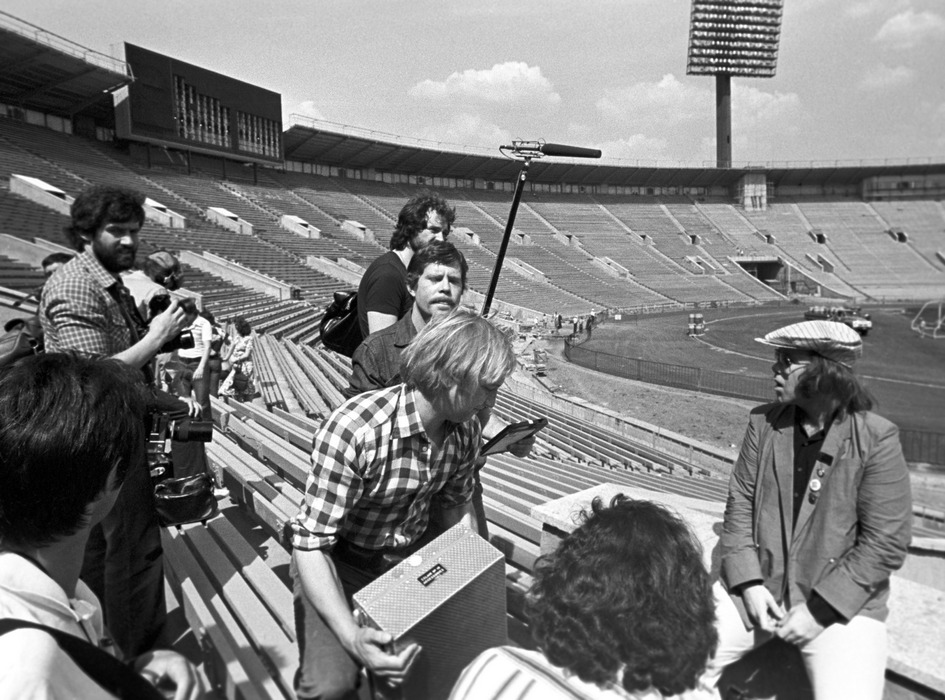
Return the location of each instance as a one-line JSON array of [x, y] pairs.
[[19, 276], [923, 222]]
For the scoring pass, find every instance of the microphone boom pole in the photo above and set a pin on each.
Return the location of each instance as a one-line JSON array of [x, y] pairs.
[[516, 198], [527, 150]]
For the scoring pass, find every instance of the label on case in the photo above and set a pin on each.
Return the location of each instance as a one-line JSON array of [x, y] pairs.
[[431, 575]]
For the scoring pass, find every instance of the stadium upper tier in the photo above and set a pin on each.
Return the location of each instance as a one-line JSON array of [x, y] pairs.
[[569, 252]]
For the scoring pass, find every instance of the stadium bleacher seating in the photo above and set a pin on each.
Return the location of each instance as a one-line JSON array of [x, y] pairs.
[[232, 575]]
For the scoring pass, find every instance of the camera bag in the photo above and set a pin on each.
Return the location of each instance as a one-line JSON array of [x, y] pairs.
[[188, 499], [339, 328], [23, 337]]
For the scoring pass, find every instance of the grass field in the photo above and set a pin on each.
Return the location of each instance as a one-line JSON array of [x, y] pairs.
[[905, 372]]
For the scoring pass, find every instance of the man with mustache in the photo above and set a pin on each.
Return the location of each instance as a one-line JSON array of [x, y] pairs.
[[382, 294], [436, 279]]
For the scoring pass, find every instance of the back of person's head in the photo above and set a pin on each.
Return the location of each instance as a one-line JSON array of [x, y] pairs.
[[66, 422], [413, 217], [56, 259], [188, 306], [626, 591], [436, 253], [242, 326], [162, 267], [461, 349], [99, 205]]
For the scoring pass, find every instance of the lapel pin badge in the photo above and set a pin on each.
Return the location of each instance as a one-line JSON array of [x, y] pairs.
[[815, 485]]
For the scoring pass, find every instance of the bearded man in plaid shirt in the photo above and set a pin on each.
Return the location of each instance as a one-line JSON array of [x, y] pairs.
[[377, 464], [87, 309]]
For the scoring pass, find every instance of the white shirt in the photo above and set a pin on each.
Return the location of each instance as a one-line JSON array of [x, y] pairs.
[[203, 336], [32, 666], [508, 673]]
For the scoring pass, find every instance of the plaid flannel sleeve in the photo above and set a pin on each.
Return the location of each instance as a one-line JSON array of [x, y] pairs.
[[458, 490], [79, 316], [333, 488]]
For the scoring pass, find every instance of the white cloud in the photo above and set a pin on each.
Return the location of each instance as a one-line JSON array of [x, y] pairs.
[[467, 130], [667, 101], [753, 108], [908, 29], [670, 103], [882, 77], [512, 81], [308, 109]]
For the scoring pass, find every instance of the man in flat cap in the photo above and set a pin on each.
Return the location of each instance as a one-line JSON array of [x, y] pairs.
[[818, 517]]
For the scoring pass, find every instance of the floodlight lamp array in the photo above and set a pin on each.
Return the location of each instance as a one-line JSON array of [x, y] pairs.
[[734, 37]]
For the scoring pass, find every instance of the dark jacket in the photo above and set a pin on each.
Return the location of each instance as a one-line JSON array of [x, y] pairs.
[[851, 533]]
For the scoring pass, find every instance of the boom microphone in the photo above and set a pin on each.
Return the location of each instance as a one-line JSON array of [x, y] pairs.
[[551, 149], [557, 149]]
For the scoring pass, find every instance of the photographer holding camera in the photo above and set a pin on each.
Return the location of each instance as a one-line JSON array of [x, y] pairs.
[[88, 310]]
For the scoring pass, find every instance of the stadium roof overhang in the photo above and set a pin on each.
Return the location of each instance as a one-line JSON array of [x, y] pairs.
[[356, 149], [42, 71], [312, 144]]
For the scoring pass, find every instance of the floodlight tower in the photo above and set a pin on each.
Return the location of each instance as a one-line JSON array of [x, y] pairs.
[[732, 37]]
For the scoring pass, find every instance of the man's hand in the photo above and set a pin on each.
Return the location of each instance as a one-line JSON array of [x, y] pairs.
[[799, 626], [168, 324], [169, 670], [523, 447], [368, 647], [193, 408], [762, 608]]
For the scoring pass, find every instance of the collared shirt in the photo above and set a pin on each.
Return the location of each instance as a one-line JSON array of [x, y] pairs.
[[33, 666], [376, 362], [508, 673], [373, 480], [806, 451], [78, 313]]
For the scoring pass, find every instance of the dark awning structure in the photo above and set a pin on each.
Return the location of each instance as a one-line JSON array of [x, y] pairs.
[[351, 148], [45, 72]]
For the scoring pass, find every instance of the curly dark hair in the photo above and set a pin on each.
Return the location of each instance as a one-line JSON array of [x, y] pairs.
[[824, 377], [97, 206], [413, 217], [627, 589], [242, 326]]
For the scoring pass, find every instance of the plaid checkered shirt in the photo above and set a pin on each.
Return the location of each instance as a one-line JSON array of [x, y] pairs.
[[372, 479], [78, 313]]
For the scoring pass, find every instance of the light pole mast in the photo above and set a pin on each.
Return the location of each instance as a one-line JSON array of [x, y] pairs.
[[732, 37]]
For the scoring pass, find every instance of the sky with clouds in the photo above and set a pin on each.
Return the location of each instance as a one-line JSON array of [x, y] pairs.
[[856, 79]]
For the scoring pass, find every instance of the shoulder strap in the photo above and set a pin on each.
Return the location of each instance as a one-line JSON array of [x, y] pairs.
[[114, 676]]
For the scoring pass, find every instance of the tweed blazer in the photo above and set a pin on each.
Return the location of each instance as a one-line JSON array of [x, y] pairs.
[[853, 528]]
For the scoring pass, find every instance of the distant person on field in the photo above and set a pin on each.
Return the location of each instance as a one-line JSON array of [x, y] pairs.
[[382, 293], [621, 610], [71, 429], [818, 517]]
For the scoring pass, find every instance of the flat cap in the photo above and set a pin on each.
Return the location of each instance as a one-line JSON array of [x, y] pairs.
[[829, 339]]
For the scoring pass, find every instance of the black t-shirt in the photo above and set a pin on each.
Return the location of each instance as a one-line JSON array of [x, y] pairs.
[[383, 289]]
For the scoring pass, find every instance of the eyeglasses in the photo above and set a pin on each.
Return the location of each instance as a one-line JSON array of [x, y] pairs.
[[781, 357]]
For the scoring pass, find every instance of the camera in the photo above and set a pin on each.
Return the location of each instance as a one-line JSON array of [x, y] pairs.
[[185, 341], [163, 430]]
